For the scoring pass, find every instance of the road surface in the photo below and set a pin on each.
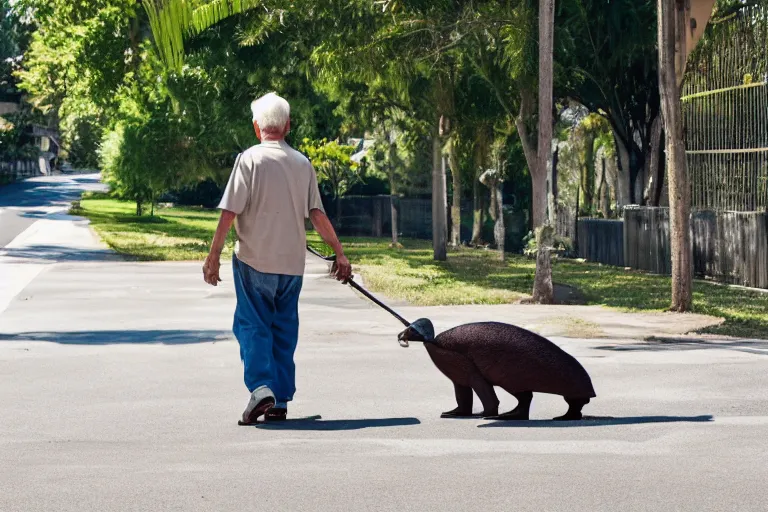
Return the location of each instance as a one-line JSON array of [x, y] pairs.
[[121, 388]]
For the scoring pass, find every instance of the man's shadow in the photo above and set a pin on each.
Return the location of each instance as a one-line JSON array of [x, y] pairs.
[[318, 423], [599, 421]]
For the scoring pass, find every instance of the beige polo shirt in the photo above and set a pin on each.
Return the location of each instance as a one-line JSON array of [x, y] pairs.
[[272, 189]]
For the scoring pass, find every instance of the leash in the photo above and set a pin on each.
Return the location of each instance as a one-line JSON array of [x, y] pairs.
[[353, 284]]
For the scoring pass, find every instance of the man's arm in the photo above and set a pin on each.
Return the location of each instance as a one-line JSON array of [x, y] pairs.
[[212, 262], [323, 226]]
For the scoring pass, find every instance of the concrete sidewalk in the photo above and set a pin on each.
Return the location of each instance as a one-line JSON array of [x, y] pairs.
[[40, 233]]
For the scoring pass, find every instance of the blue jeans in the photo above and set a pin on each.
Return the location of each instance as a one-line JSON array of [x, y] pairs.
[[266, 326]]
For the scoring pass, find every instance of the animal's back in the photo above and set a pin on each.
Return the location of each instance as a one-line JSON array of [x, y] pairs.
[[517, 359]]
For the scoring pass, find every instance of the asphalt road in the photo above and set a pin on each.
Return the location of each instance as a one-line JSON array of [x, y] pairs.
[[23, 203], [121, 387]]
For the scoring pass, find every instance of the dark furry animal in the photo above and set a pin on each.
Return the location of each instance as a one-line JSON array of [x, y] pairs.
[[479, 356]]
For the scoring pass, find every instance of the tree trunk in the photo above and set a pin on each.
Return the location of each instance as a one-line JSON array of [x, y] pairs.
[[622, 176], [395, 221], [552, 193], [543, 290], [439, 201], [542, 284], [393, 195], [539, 200], [576, 230], [477, 216], [555, 159], [588, 174], [393, 210], [338, 210], [456, 179], [655, 173], [605, 193], [499, 230], [529, 150], [671, 33], [526, 112]]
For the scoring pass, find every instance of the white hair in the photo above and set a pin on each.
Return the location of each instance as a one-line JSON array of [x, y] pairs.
[[271, 112]]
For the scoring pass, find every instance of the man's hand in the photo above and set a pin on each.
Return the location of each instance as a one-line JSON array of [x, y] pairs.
[[211, 269], [212, 263], [342, 269]]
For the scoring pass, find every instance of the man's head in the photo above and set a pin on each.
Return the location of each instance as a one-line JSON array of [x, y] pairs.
[[271, 117]]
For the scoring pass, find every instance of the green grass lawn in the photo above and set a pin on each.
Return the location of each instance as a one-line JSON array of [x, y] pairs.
[[174, 234], [470, 276]]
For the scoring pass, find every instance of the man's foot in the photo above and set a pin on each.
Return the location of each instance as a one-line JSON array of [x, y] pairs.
[[277, 413], [262, 399]]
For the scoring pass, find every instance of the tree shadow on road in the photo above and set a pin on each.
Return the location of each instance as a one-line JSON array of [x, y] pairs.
[[165, 337], [600, 421], [37, 253], [749, 346], [318, 424]]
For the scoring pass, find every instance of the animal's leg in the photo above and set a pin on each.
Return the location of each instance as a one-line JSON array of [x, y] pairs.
[[463, 373], [574, 409], [464, 400], [521, 412], [486, 394]]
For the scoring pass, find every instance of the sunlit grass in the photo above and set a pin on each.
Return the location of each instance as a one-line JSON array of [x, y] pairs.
[[470, 276], [473, 276], [173, 234]]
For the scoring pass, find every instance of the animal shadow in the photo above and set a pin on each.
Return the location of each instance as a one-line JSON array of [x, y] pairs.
[[316, 423], [599, 421]]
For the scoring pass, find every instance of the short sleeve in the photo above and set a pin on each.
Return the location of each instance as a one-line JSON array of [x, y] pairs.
[[237, 192], [314, 201]]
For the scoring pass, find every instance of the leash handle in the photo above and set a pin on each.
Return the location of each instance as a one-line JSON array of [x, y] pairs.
[[359, 288], [326, 258]]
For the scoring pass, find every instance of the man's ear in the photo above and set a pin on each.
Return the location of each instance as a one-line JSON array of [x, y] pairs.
[[257, 130]]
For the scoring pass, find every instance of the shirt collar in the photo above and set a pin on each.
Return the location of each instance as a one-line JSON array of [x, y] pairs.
[[273, 143]]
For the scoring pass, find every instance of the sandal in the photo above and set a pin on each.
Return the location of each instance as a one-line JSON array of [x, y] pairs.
[[276, 414]]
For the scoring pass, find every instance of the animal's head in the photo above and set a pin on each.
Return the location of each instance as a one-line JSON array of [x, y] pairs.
[[420, 330]]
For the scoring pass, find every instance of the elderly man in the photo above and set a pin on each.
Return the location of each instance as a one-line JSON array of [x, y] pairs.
[[271, 191]]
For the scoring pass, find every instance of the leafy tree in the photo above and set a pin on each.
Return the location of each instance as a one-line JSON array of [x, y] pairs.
[[333, 165], [613, 67], [13, 41], [386, 158], [79, 55]]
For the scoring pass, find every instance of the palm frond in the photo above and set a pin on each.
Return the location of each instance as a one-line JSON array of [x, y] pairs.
[[173, 21]]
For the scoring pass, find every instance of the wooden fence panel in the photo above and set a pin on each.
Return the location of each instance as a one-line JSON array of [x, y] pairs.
[[601, 241], [646, 232], [740, 254], [730, 247]]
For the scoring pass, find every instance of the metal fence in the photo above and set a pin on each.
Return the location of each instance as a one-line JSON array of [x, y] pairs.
[[725, 107], [372, 216]]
